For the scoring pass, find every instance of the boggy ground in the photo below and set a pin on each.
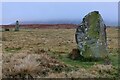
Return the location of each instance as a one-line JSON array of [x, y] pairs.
[[38, 53]]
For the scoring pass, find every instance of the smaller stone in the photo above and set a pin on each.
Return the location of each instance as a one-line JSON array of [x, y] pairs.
[[74, 54], [17, 26], [6, 29]]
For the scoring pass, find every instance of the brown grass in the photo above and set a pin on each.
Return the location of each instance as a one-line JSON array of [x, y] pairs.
[[24, 64], [47, 39], [112, 37], [26, 54]]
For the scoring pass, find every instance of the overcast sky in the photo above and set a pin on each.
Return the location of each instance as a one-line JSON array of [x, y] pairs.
[[45, 11]]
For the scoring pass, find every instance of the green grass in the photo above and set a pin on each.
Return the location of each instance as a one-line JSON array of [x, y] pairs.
[[76, 63], [114, 59], [84, 63], [12, 49]]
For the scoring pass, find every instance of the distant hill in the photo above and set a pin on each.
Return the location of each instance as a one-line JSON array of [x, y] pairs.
[[47, 26], [44, 26], [50, 22]]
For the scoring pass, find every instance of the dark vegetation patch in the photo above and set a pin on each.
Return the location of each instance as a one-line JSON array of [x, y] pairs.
[[12, 49]]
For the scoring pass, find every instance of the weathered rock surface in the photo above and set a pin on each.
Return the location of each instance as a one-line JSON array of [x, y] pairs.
[[91, 36]]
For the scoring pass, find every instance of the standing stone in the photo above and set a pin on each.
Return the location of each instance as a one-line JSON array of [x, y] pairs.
[[17, 26], [91, 36]]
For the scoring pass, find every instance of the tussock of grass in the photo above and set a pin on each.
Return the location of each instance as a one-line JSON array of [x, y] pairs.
[[27, 64]]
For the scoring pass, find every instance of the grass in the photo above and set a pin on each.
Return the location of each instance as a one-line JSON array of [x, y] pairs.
[[58, 43], [114, 59], [84, 63], [12, 49], [42, 38], [77, 63]]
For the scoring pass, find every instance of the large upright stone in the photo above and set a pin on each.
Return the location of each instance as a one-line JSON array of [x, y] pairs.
[[91, 36]]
